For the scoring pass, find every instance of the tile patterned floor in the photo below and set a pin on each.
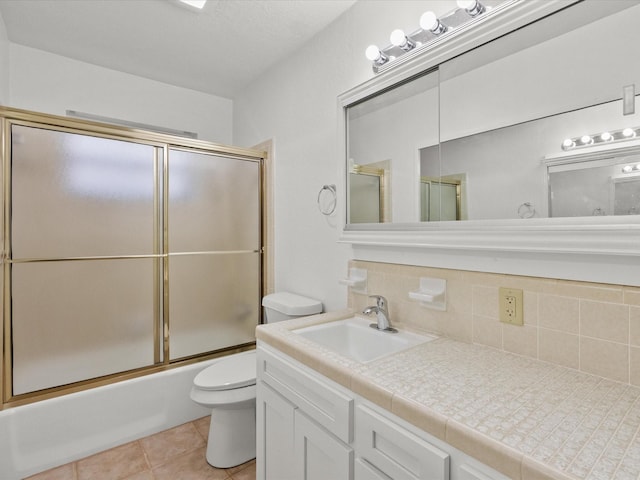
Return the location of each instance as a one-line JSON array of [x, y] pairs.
[[178, 453]]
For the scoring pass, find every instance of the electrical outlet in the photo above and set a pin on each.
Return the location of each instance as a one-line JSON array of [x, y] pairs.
[[511, 306]]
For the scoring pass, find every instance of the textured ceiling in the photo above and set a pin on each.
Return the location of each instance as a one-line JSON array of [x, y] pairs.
[[218, 50]]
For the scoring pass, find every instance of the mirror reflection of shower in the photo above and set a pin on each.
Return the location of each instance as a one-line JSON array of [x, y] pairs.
[[369, 187]]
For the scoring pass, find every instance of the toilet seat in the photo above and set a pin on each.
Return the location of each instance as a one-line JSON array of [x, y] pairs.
[[236, 371]]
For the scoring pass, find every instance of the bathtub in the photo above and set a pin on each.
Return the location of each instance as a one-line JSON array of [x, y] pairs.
[[45, 434]]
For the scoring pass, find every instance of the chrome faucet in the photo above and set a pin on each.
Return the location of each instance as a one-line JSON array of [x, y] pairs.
[[382, 314]]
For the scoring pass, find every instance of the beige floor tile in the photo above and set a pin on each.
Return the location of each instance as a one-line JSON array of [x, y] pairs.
[[202, 425], [131, 461], [248, 473], [115, 464], [146, 475], [65, 472], [189, 466], [162, 447], [234, 470]]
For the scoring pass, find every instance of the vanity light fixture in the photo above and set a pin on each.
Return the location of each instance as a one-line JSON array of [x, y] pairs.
[[431, 29], [400, 40], [429, 23], [631, 168], [472, 7], [600, 138], [374, 54]]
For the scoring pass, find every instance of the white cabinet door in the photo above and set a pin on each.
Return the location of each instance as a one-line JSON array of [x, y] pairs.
[[395, 451], [275, 432], [329, 406], [319, 455], [365, 471]]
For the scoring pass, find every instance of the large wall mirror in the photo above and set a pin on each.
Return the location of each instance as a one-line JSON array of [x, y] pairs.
[[475, 136]]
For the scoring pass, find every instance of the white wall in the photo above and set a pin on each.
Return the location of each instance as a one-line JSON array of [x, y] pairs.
[[296, 105], [4, 64], [50, 83]]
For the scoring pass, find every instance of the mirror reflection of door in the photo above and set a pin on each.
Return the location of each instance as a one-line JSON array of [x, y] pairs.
[[439, 199], [366, 190]]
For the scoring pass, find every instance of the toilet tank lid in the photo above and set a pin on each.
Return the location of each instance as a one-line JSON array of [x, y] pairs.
[[234, 371], [292, 304]]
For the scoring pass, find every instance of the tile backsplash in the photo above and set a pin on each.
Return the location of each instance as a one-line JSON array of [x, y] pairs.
[[591, 327]]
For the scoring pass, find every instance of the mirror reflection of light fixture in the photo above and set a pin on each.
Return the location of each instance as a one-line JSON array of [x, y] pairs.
[[472, 7], [400, 40], [604, 137], [586, 140], [431, 29], [631, 168]]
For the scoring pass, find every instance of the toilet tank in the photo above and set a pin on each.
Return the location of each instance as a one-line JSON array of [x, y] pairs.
[[285, 306]]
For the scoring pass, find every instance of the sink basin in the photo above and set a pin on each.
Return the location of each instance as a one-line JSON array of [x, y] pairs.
[[354, 338]]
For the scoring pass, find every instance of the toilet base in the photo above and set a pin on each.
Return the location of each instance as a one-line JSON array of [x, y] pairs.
[[232, 435]]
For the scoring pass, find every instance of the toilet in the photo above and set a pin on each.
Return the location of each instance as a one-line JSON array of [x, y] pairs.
[[228, 387]]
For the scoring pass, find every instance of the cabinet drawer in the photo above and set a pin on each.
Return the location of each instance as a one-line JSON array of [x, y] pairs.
[[318, 399], [395, 451]]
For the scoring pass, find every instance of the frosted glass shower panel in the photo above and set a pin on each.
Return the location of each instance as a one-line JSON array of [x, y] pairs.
[[214, 203], [214, 302], [76, 195], [77, 320]]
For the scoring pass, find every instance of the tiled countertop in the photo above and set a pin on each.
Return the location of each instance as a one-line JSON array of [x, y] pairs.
[[525, 418]]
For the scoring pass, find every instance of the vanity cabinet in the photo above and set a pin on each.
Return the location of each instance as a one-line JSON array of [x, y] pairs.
[[394, 452], [304, 423], [310, 428]]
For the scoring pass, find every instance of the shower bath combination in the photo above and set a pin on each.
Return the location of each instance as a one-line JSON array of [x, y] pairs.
[[126, 252]]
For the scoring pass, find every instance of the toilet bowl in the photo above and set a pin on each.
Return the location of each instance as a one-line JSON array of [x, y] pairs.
[[228, 387]]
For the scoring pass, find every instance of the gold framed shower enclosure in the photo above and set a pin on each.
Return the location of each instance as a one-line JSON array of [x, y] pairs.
[[124, 252]]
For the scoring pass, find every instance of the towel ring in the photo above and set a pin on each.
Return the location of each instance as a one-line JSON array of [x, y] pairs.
[[526, 210], [327, 208]]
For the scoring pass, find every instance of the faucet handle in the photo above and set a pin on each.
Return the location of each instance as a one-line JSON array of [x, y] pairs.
[[381, 302]]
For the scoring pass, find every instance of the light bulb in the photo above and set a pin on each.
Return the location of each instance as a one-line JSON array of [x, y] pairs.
[[628, 132], [398, 38], [473, 7], [372, 53], [568, 143], [606, 136], [586, 140], [429, 22], [627, 169]]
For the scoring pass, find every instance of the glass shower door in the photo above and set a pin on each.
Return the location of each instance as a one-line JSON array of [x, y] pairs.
[[83, 257], [214, 227]]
